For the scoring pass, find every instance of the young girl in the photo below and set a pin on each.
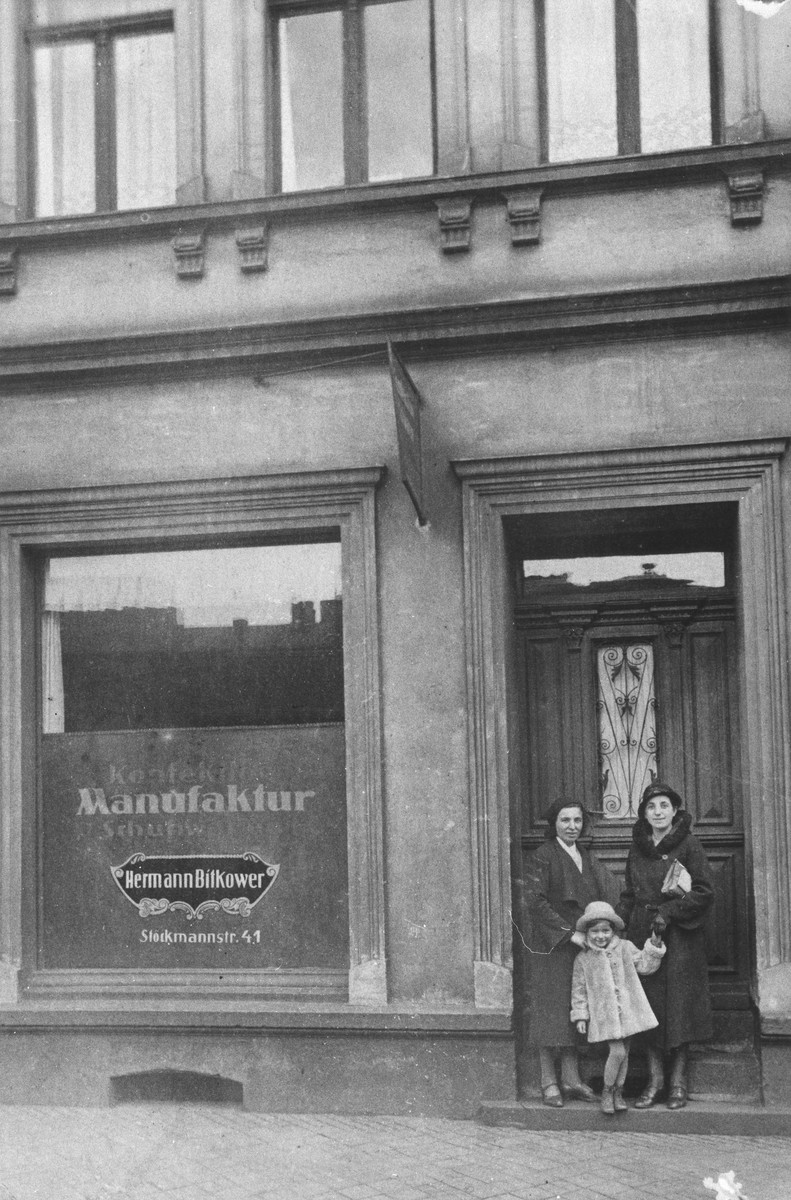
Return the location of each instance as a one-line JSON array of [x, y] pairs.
[[607, 998]]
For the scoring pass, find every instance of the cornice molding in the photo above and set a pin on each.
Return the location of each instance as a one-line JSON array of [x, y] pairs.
[[676, 168], [629, 313]]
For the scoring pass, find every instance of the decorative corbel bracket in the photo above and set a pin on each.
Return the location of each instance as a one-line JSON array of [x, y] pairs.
[[746, 194], [523, 210], [8, 261], [189, 249], [455, 223], [253, 246]]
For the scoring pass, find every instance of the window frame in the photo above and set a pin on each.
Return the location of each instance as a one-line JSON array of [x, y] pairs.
[[175, 515], [103, 32], [627, 79], [353, 108]]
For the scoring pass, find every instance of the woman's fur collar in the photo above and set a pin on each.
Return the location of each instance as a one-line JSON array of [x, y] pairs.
[[641, 835]]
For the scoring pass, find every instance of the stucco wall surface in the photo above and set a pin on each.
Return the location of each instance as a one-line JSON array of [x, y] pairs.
[[342, 265], [589, 397]]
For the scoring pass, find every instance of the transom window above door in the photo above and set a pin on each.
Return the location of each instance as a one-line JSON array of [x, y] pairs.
[[354, 91], [700, 569]]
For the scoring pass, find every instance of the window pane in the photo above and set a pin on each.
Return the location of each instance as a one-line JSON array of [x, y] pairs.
[[581, 101], [311, 101], [145, 115], [627, 726], [675, 91], [398, 89], [193, 639], [65, 149]]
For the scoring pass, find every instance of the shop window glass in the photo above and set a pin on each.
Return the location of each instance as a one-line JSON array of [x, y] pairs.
[[193, 760], [193, 639]]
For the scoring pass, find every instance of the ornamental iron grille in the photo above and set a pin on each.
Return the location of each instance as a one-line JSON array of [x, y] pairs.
[[627, 726]]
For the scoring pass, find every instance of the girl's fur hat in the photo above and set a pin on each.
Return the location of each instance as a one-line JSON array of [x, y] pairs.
[[599, 910]]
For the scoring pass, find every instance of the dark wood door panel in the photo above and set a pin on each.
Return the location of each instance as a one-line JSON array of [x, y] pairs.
[[697, 732]]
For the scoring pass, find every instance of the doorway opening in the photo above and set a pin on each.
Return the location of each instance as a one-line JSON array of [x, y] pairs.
[[626, 648]]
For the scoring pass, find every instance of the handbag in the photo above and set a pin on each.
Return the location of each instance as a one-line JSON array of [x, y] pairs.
[[677, 881]]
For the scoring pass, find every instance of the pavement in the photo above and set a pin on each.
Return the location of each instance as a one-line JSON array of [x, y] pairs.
[[206, 1152]]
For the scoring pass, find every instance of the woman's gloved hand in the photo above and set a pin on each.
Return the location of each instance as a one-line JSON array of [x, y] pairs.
[[658, 925]]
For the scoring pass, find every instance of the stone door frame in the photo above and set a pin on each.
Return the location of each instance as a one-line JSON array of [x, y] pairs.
[[747, 473]]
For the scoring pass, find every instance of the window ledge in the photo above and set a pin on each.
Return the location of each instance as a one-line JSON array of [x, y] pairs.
[[255, 1016], [594, 175]]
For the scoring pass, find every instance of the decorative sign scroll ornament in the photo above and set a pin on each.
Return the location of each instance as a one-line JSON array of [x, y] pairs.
[[627, 726], [195, 884]]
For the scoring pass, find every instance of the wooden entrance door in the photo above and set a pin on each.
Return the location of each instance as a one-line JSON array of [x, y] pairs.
[[623, 681]]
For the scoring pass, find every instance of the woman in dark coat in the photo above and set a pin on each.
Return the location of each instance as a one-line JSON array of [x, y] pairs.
[[679, 991], [560, 881]]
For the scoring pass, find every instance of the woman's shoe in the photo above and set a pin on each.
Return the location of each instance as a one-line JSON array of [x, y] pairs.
[[608, 1101], [618, 1100], [677, 1097], [550, 1095], [578, 1091], [647, 1097]]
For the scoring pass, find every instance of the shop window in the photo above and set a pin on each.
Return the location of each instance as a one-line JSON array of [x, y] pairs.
[[192, 722], [354, 91], [626, 77], [103, 124]]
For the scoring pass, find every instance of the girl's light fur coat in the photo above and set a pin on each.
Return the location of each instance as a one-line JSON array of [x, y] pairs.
[[607, 993]]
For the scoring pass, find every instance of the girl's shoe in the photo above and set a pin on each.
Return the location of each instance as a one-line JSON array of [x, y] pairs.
[[608, 1101], [618, 1100], [677, 1097], [550, 1095]]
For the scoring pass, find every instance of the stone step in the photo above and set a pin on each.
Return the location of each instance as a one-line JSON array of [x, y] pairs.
[[717, 1076], [699, 1117]]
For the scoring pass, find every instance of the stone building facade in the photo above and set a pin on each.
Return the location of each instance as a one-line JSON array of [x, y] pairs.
[[571, 219]]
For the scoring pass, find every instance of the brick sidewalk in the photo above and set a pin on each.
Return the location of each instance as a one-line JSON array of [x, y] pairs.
[[186, 1152]]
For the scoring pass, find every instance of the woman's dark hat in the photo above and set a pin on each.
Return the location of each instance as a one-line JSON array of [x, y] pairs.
[[659, 789]]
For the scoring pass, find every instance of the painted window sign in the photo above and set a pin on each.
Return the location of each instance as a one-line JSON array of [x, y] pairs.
[[193, 760], [194, 883]]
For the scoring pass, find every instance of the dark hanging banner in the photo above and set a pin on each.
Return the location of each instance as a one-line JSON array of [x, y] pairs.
[[407, 402]]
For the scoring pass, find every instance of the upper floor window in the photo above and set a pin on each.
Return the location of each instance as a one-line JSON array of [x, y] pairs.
[[354, 91], [103, 111], [626, 77]]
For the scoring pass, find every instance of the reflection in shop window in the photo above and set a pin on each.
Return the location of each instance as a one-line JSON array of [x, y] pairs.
[[236, 637]]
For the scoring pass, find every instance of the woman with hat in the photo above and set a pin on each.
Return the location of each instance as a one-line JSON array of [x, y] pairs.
[[668, 890], [561, 879], [607, 1001]]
